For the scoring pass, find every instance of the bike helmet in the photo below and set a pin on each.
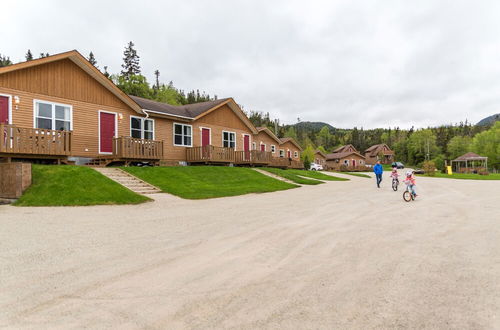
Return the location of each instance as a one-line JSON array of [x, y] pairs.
[[409, 173]]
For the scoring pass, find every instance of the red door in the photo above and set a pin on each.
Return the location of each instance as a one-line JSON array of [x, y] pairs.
[[289, 154], [205, 137], [354, 163], [4, 110], [246, 146], [262, 147], [107, 131]]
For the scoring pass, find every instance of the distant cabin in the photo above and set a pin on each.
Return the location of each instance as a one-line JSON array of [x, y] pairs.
[[345, 158], [380, 152]]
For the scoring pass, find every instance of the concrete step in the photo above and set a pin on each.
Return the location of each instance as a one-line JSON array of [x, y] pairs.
[[128, 180]]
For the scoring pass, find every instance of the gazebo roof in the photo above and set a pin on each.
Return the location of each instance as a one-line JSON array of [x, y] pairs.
[[470, 156]]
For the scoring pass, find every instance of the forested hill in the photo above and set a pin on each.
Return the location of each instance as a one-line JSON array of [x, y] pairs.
[[489, 120]]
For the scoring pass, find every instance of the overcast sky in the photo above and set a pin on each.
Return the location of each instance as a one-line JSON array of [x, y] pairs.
[[349, 63]]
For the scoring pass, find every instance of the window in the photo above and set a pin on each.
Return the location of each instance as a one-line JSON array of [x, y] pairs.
[[296, 154], [282, 153], [229, 139], [141, 128], [183, 135], [273, 148], [346, 162], [254, 146], [53, 116]]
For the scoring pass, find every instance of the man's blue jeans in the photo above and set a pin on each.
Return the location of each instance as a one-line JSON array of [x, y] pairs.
[[379, 179]]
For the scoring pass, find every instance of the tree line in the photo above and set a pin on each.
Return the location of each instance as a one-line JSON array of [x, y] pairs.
[[411, 146], [131, 80]]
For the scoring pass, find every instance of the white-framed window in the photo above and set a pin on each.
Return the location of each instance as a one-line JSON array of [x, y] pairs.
[[361, 161], [228, 139], [254, 146], [183, 135], [282, 153], [142, 128], [55, 116], [273, 148], [296, 154], [346, 162]]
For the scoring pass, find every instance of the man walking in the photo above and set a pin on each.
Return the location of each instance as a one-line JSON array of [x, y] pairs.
[[378, 172]]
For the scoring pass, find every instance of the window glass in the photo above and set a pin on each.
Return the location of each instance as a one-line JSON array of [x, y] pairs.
[[148, 125], [273, 149], [135, 123], [136, 134], [44, 110], [44, 123], [182, 135], [228, 140], [62, 125], [148, 135], [62, 112]]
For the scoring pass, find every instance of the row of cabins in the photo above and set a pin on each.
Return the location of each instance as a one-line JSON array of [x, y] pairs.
[[62, 108], [348, 158]]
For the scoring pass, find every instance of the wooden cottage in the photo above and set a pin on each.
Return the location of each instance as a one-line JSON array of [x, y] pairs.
[[62, 108], [290, 149], [345, 158], [320, 158], [380, 152]]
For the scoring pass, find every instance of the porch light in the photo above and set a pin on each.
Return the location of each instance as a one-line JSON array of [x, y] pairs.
[[16, 99], [120, 116]]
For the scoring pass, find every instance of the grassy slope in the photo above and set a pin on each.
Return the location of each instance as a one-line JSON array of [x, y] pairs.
[[74, 185], [198, 182], [317, 175], [361, 175], [493, 176], [288, 174]]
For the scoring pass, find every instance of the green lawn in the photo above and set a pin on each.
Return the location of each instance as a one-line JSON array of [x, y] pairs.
[[199, 182], [361, 175], [468, 176], [316, 175], [65, 185], [298, 176]]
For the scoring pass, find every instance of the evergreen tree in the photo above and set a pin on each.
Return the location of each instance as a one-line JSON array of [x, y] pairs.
[[157, 76], [5, 61], [29, 55], [92, 60], [130, 62], [42, 55], [106, 73]]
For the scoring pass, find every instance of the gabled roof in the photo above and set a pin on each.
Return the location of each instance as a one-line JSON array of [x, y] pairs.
[[320, 152], [291, 140], [85, 65], [470, 156], [344, 148], [270, 133], [193, 111], [376, 148], [340, 155]]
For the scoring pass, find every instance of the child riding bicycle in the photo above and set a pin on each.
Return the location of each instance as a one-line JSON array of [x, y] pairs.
[[411, 183], [394, 174]]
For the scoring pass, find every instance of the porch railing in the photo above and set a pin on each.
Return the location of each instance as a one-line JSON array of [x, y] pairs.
[[131, 148], [210, 154], [296, 164], [34, 141], [253, 157], [280, 162]]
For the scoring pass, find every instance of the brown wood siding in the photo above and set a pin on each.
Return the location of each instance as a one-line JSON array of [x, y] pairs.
[[334, 165], [226, 120], [290, 146], [264, 138], [85, 119], [63, 79]]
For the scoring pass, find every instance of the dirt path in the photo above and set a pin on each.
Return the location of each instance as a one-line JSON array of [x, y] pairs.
[[336, 255]]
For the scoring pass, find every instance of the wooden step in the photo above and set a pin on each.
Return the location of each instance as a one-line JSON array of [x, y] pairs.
[[128, 180]]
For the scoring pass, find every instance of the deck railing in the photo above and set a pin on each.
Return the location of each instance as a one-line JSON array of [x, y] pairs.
[[34, 141], [210, 154], [297, 164], [253, 157], [280, 162], [131, 148]]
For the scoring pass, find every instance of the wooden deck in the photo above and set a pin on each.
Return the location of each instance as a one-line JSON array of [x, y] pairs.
[[253, 157], [34, 143], [127, 150], [210, 154]]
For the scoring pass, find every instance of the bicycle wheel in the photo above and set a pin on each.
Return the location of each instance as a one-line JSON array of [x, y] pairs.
[[407, 196], [395, 185]]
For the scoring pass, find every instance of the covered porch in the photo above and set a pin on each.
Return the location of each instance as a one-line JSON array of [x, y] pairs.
[[470, 163]]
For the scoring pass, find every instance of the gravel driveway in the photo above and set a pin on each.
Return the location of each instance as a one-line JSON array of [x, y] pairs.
[[337, 255]]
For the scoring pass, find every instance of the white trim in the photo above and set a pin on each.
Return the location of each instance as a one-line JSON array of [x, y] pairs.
[[283, 153], [173, 135], [273, 148], [167, 114], [53, 112], [209, 135], [9, 109], [295, 154], [143, 127], [235, 140], [99, 129]]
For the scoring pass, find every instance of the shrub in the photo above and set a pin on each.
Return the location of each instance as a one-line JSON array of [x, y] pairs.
[[429, 168], [439, 162], [483, 171]]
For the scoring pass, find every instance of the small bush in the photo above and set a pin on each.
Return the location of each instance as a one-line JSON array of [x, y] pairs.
[[483, 171], [429, 168]]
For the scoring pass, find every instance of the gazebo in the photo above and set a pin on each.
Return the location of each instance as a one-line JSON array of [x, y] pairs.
[[470, 163]]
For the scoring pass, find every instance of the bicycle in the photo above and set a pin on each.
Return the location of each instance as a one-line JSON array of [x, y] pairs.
[[395, 183], [409, 195]]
